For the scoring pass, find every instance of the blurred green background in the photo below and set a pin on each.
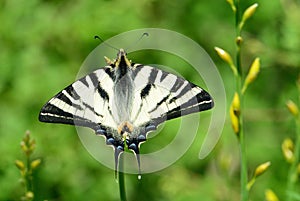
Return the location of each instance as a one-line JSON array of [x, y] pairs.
[[43, 44]]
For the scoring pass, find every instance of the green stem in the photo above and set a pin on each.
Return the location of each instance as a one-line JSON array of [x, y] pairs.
[[238, 34], [242, 142], [28, 178], [121, 180], [237, 13], [239, 78], [244, 169], [293, 174]]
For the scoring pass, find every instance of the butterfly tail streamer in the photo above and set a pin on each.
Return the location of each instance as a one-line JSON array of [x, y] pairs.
[[139, 165]]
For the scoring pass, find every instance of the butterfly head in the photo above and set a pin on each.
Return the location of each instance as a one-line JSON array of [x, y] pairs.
[[121, 53], [122, 59]]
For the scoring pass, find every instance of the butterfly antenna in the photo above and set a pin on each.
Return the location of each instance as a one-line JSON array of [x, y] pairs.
[[138, 40], [97, 37]]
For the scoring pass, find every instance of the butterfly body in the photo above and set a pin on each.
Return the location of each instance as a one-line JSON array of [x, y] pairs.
[[124, 102]]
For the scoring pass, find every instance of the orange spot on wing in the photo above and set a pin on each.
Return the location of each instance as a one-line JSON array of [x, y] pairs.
[[125, 127]]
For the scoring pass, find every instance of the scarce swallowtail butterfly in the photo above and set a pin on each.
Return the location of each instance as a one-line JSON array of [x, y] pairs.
[[124, 101]]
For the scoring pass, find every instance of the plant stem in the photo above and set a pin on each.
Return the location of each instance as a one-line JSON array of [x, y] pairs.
[[28, 177], [121, 180], [238, 34], [239, 77], [242, 141], [241, 136], [237, 13], [244, 169], [292, 175]]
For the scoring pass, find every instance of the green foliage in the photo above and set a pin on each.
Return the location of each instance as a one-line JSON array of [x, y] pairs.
[[42, 45]]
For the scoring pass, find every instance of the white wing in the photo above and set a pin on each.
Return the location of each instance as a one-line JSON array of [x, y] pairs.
[[160, 96], [83, 103]]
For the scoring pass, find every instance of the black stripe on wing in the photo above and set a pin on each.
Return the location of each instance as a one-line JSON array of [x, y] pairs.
[[52, 114], [201, 102]]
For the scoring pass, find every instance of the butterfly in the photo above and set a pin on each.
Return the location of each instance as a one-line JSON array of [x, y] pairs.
[[124, 101]]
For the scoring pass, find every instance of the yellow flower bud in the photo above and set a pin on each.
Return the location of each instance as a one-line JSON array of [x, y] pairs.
[[270, 195], [236, 104], [288, 150], [20, 165], [225, 56], [234, 113], [234, 122], [239, 40], [252, 74], [231, 3], [247, 14], [35, 163], [254, 70], [261, 169], [292, 107], [23, 146], [26, 137], [29, 195], [32, 145]]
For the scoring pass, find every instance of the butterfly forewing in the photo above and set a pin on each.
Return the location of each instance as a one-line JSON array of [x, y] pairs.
[[167, 96], [81, 103]]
